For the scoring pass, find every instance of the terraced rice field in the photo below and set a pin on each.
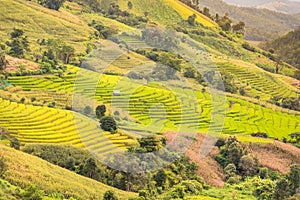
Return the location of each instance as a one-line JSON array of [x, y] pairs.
[[157, 109], [260, 84], [36, 124]]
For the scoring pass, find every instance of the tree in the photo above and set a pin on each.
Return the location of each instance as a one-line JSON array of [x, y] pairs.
[[16, 33], [100, 111], [192, 19], [239, 28], [206, 12], [281, 190], [234, 153], [3, 166], [130, 5], [14, 143], [66, 52], [294, 178], [18, 44], [108, 124], [52, 4], [110, 195], [89, 168], [150, 143], [230, 171], [248, 166], [160, 178], [225, 23], [3, 61]]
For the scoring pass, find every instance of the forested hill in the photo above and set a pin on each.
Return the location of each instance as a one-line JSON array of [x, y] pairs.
[[287, 47]]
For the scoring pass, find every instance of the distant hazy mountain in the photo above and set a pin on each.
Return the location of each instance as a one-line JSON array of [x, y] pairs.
[[284, 6], [261, 24]]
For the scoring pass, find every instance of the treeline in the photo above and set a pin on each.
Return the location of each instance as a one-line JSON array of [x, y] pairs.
[[224, 21], [175, 179]]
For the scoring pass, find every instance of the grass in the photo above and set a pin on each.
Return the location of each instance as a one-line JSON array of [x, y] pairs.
[[25, 170]]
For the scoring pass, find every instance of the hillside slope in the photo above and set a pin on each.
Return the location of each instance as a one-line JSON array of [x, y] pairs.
[[287, 47], [41, 23], [261, 24], [25, 170]]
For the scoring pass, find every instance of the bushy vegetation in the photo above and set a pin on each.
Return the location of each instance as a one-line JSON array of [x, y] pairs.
[[83, 163]]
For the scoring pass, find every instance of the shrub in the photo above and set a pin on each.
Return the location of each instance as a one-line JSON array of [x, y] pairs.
[[3, 167], [33, 193], [100, 111], [248, 166], [260, 134], [220, 142], [110, 195], [108, 124], [14, 143], [248, 47]]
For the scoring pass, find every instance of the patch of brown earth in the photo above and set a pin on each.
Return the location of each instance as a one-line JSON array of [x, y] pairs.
[[14, 64], [278, 156], [209, 169]]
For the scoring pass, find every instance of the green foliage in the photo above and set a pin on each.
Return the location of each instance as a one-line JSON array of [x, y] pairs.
[[239, 28], [3, 166], [248, 166], [294, 178], [225, 23], [282, 189], [249, 47], [3, 61], [263, 173], [110, 195], [18, 44], [108, 123], [14, 143], [230, 171], [264, 189], [160, 178], [32, 193], [100, 111], [234, 153], [52, 4], [185, 188], [58, 154], [192, 20], [89, 168], [104, 31], [58, 50], [150, 143]]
